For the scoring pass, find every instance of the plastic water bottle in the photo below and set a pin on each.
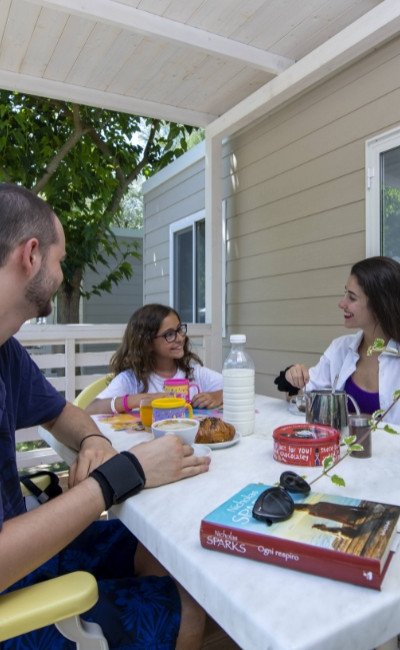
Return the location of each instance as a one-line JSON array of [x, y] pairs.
[[238, 387]]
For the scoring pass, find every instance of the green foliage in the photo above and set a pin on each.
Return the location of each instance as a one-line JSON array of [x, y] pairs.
[[337, 480], [40, 444], [388, 429], [327, 463], [379, 346], [83, 160], [350, 441], [391, 220], [131, 214]]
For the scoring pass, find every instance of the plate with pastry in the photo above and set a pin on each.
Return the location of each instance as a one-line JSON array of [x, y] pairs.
[[216, 434]]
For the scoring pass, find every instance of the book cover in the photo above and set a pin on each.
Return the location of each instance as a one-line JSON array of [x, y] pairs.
[[333, 536]]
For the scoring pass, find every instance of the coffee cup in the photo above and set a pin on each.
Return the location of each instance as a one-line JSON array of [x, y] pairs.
[[180, 388], [168, 408], [185, 428]]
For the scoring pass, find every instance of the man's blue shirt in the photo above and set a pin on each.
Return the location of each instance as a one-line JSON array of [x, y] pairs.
[[26, 399]]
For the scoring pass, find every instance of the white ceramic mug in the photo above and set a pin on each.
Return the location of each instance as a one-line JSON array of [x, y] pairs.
[[185, 428]]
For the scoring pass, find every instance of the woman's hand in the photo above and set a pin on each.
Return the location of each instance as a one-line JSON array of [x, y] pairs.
[[297, 375]]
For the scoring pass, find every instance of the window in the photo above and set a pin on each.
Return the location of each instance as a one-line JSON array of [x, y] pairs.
[[187, 267], [383, 195]]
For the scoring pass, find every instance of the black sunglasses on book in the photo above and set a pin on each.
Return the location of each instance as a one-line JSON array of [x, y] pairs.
[[275, 503]]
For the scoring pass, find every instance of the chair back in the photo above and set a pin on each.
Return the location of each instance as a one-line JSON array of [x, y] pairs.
[[89, 393]]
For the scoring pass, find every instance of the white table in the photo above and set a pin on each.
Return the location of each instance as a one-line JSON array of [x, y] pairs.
[[259, 605]]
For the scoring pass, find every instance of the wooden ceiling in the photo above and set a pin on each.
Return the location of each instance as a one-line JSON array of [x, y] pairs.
[[189, 61]]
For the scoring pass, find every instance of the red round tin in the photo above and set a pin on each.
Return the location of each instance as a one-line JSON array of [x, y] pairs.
[[305, 444]]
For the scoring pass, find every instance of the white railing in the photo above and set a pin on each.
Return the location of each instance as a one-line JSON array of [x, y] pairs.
[[72, 357]]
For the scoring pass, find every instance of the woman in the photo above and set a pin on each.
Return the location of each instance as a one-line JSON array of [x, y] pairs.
[[154, 348], [371, 303]]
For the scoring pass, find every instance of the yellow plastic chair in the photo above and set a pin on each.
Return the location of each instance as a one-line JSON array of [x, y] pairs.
[[42, 482], [58, 601], [89, 393]]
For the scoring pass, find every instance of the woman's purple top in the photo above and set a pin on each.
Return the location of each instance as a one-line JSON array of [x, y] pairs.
[[368, 402]]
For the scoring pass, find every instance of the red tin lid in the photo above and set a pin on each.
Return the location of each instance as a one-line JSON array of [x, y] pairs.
[[304, 434]]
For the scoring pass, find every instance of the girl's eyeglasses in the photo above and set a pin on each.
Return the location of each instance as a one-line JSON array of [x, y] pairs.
[[275, 504], [170, 335]]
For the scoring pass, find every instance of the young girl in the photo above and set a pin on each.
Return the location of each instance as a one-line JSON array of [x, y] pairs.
[[154, 348]]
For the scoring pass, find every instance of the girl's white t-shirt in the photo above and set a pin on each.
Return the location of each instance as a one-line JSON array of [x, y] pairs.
[[126, 382]]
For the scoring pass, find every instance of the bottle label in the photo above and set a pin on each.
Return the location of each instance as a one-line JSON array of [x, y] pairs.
[[238, 391]]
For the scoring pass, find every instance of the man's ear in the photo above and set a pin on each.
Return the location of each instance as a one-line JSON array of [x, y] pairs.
[[31, 257]]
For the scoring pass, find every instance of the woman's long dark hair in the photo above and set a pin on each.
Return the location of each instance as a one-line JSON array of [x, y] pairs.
[[135, 352], [379, 278]]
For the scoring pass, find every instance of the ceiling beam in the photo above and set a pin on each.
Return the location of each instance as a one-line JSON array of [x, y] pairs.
[[142, 22], [368, 32], [90, 97]]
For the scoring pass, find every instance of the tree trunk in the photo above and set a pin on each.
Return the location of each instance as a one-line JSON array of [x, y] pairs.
[[68, 299]]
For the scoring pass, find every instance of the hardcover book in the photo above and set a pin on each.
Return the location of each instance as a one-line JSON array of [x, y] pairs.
[[333, 536]]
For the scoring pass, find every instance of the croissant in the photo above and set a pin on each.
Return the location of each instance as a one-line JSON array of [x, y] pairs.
[[214, 430]]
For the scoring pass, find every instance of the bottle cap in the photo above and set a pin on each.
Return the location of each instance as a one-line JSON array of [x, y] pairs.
[[238, 338]]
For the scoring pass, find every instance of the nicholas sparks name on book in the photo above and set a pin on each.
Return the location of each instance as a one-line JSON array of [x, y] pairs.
[[241, 514]]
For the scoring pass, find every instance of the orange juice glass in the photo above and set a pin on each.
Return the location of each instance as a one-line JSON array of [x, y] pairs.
[[146, 412]]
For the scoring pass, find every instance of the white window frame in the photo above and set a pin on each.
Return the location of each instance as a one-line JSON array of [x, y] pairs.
[[373, 148], [174, 227], [223, 269]]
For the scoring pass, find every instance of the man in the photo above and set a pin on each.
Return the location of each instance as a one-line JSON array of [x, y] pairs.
[[59, 536]]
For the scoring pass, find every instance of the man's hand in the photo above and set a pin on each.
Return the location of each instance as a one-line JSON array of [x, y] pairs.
[[297, 375], [95, 451], [168, 459]]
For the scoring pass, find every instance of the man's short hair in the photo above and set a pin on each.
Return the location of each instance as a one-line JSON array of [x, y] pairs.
[[24, 215]]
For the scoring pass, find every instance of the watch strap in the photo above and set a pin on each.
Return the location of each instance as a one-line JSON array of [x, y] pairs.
[[120, 477]]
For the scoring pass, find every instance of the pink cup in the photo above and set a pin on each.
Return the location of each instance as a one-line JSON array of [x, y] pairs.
[[180, 388]]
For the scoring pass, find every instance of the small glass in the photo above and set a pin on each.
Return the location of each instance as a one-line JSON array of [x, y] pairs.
[[359, 426], [146, 412], [297, 405]]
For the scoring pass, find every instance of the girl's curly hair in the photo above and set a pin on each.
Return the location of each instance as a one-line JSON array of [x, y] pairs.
[[135, 352]]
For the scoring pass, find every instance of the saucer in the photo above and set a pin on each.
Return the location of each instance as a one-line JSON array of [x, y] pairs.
[[224, 445], [201, 450]]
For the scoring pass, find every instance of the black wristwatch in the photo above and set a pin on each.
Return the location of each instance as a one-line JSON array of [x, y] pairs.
[[120, 477]]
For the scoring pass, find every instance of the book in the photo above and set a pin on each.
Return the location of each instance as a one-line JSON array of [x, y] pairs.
[[334, 536]]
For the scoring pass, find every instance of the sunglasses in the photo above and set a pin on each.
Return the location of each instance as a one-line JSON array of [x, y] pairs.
[[275, 504]]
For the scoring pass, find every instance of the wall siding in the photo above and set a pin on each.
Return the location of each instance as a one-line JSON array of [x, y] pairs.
[[179, 197], [294, 185], [124, 299], [296, 212]]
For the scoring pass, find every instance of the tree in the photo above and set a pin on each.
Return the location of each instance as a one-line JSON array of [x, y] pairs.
[[391, 221], [83, 160], [131, 215]]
